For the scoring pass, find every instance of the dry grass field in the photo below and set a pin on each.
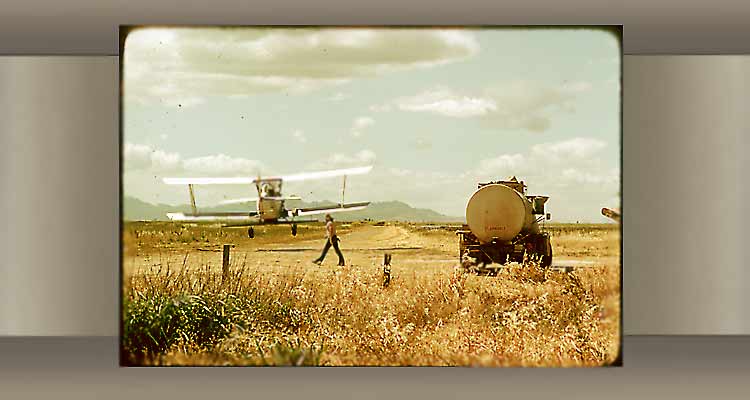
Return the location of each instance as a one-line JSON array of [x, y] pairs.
[[277, 308]]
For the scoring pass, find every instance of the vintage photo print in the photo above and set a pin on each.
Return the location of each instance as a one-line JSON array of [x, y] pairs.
[[370, 196]]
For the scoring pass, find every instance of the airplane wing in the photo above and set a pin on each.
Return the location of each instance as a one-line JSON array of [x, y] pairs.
[[282, 198], [331, 209], [239, 201], [248, 180], [218, 216], [324, 174], [210, 181], [250, 199]]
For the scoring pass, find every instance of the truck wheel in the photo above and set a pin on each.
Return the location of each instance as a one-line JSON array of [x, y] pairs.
[[547, 256]]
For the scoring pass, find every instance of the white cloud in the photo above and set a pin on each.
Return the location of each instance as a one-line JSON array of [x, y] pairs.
[[342, 160], [548, 160], [361, 157], [502, 162], [572, 172], [361, 124], [445, 102], [299, 136], [531, 105], [222, 164], [592, 177], [185, 65], [140, 157], [579, 147], [522, 105], [137, 156]]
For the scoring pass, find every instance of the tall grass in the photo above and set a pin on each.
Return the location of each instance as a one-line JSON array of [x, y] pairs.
[[267, 315]]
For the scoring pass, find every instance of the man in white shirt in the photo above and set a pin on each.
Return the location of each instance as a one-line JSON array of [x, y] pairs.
[[332, 240]]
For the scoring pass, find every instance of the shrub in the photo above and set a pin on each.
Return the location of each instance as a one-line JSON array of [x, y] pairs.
[[152, 325]]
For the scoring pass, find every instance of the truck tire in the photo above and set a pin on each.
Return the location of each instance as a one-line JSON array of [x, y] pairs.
[[547, 255]]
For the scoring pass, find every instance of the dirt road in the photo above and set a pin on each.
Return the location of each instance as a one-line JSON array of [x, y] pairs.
[[413, 250], [362, 246]]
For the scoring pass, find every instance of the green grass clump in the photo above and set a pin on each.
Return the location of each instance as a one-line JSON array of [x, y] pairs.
[[154, 324]]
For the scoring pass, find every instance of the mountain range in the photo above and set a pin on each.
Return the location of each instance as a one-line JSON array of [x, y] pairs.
[[134, 209]]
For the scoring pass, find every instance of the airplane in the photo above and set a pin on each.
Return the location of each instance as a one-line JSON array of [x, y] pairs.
[[270, 208]]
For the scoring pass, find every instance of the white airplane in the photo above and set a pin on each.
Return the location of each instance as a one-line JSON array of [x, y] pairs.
[[270, 208]]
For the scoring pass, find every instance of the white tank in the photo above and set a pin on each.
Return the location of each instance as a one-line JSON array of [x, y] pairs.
[[497, 211]]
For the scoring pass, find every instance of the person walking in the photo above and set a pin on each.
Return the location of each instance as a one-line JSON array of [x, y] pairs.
[[332, 240]]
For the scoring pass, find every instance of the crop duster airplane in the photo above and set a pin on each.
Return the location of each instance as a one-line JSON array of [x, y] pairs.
[[270, 208]]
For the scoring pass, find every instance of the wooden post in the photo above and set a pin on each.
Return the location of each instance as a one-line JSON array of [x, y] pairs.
[[386, 270], [225, 263]]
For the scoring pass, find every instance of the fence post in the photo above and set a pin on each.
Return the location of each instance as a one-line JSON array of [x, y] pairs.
[[225, 263], [386, 270]]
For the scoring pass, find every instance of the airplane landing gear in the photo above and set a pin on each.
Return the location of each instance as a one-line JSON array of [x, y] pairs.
[[250, 232], [294, 229]]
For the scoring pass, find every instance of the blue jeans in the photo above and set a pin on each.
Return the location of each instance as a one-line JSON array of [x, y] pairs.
[[335, 241]]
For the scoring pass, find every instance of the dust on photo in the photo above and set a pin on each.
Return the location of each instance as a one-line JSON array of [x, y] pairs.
[[370, 196]]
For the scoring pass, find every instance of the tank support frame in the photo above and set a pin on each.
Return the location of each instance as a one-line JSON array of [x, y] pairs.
[[481, 255]]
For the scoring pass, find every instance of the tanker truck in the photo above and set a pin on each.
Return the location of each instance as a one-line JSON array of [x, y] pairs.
[[503, 224]]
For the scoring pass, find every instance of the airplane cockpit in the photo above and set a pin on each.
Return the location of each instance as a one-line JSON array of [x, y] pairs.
[[270, 189]]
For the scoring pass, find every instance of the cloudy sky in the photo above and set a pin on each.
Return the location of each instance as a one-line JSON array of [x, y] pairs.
[[435, 112]]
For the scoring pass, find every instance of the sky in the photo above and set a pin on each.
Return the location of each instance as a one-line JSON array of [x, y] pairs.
[[435, 111]]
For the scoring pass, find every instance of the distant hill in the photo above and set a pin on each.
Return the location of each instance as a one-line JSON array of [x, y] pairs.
[[135, 210]]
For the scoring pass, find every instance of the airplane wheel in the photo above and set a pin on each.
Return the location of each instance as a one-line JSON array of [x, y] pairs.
[[250, 233], [294, 229]]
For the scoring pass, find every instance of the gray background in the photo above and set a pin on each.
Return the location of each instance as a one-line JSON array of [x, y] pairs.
[[673, 224], [685, 127], [60, 202], [660, 368], [657, 27]]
